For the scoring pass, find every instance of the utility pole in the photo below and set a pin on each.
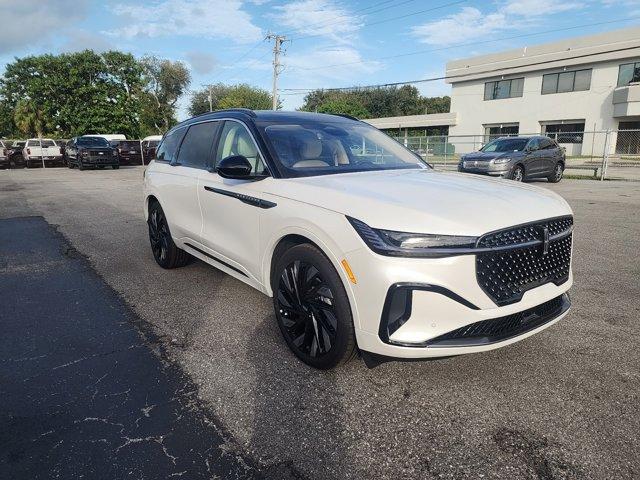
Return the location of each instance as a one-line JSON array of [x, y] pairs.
[[209, 97], [278, 39]]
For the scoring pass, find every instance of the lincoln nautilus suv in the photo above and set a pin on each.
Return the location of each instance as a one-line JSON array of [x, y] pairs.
[[362, 246]]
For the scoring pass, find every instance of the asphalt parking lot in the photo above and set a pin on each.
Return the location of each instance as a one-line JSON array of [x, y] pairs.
[[562, 404]]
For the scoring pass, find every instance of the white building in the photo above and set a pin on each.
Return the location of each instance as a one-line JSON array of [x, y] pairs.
[[582, 84]]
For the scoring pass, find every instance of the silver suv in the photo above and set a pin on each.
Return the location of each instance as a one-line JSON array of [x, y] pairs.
[[517, 158]]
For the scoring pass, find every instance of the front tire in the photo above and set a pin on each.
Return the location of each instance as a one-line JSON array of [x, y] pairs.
[[556, 176], [312, 308], [518, 174], [165, 252]]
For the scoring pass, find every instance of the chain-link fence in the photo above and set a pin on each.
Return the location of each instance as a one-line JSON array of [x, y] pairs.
[[605, 154]]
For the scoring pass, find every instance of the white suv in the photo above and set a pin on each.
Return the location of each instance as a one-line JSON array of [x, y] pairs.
[[361, 245]]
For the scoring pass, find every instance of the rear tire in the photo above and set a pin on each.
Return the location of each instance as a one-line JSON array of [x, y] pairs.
[[556, 176], [165, 252], [80, 165], [312, 308]]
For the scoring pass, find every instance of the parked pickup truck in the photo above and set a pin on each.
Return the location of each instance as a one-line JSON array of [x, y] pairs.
[[4, 154], [14, 151], [47, 153], [128, 151]]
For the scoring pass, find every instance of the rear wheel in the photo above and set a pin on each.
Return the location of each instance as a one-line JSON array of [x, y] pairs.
[[312, 308], [518, 173], [165, 252], [556, 176]]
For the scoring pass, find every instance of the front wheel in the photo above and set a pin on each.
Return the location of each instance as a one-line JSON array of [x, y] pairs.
[[518, 173], [556, 176], [312, 308], [165, 252]]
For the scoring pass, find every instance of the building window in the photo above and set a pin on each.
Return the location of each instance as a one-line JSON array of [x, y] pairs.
[[562, 82], [492, 132], [503, 89], [564, 132], [628, 73], [628, 138]]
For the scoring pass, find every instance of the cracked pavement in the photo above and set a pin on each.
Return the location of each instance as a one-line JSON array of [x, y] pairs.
[[82, 393], [562, 404]]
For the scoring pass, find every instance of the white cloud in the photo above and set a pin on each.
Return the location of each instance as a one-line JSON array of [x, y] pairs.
[[197, 18], [318, 17], [201, 62], [78, 40], [34, 22], [471, 23], [308, 65]]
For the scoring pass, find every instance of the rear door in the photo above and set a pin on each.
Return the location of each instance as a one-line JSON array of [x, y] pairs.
[[548, 156], [230, 211]]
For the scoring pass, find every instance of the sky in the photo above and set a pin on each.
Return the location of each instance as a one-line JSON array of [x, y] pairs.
[[329, 43]]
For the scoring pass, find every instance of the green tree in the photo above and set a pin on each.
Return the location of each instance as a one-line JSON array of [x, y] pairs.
[[345, 106], [29, 119], [246, 96], [164, 83], [199, 102], [229, 96], [376, 102], [77, 93]]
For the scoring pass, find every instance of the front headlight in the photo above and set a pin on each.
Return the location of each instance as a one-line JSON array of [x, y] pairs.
[[402, 244], [501, 160]]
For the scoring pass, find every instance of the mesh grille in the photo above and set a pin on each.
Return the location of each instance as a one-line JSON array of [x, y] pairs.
[[525, 233], [505, 275], [497, 329]]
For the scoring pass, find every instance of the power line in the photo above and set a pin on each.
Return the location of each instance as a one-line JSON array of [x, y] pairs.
[[389, 19], [328, 21], [468, 44], [462, 75]]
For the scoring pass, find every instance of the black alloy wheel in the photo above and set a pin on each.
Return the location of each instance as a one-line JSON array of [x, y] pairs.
[[518, 174], [312, 308], [164, 250]]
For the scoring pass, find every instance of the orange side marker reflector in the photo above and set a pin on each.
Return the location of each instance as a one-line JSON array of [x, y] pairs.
[[347, 268]]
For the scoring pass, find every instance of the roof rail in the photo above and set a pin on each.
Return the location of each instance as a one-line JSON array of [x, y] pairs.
[[248, 111]]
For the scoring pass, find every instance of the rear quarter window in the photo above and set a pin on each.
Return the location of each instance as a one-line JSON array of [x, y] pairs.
[[169, 145]]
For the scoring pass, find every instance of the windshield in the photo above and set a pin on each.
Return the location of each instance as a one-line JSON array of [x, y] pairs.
[[93, 142], [323, 148], [506, 145]]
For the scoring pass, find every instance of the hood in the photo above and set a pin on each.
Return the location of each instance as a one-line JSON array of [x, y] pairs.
[[424, 201], [489, 155]]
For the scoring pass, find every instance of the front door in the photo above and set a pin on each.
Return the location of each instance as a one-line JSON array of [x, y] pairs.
[[230, 208]]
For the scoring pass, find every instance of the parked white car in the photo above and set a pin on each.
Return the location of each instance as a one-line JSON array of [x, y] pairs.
[[362, 248], [36, 151], [4, 154]]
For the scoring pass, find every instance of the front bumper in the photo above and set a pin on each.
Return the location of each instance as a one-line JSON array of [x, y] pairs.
[[444, 297], [491, 169], [99, 161]]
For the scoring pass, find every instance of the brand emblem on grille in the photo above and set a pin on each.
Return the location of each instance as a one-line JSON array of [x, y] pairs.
[[545, 241]]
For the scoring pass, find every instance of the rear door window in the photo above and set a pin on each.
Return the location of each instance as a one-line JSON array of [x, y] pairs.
[[195, 150], [169, 146]]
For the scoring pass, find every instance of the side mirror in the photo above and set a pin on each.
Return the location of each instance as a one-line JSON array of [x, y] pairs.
[[236, 167]]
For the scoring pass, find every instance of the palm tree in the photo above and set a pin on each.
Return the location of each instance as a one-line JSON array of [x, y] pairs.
[[29, 118]]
